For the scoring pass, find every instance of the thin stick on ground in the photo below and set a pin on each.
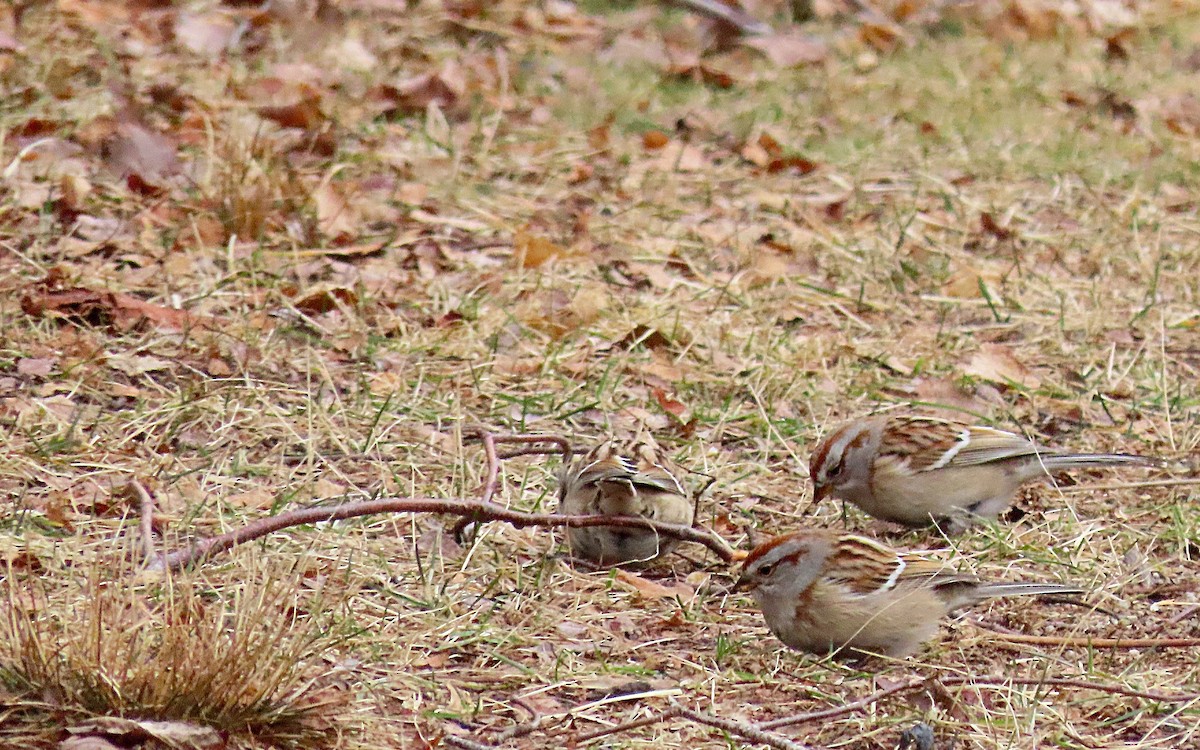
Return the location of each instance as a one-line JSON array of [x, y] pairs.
[[628, 726], [844, 710], [1130, 485], [455, 740], [146, 516], [978, 682], [492, 481], [1078, 641], [740, 728], [752, 732], [479, 510]]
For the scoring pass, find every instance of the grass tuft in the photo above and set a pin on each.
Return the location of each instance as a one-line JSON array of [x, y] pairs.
[[237, 658]]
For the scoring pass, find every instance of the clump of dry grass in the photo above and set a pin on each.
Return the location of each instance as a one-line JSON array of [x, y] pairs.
[[235, 658]]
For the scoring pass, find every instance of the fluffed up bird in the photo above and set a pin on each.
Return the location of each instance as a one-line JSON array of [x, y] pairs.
[[618, 478], [825, 592], [916, 470]]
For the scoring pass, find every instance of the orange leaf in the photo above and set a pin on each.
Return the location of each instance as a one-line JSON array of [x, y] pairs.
[[121, 310], [533, 250], [305, 114], [655, 139], [668, 404], [988, 222], [652, 589]]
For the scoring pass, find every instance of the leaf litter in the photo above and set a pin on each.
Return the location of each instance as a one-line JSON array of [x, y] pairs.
[[568, 219]]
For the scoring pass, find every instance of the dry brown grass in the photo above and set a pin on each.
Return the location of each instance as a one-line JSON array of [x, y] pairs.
[[363, 309]]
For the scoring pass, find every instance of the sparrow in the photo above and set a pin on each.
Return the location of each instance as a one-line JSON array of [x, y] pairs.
[[916, 470], [618, 478], [825, 592]]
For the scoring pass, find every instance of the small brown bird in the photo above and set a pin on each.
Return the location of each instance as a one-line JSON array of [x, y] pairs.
[[824, 592], [623, 479], [917, 470]]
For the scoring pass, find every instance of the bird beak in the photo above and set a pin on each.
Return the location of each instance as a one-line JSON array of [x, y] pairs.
[[743, 583], [821, 492]]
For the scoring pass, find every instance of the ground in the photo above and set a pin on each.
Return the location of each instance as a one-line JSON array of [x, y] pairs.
[[255, 260]]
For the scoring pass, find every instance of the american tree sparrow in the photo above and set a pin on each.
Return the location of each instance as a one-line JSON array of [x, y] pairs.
[[824, 592], [623, 479], [914, 470]]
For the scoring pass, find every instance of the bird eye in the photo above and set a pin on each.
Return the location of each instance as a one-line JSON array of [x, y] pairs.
[[765, 570], [835, 471]]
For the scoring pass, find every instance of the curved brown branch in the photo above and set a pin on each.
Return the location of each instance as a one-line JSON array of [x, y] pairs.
[[475, 509], [492, 482]]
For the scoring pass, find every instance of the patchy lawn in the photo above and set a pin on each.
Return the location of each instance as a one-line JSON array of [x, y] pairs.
[[259, 260]]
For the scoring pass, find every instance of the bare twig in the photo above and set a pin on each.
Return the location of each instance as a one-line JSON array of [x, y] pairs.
[[752, 732], [746, 730], [1183, 615], [670, 713], [146, 515], [1076, 641], [535, 450], [491, 483], [520, 730], [476, 509], [843, 710], [479, 510], [457, 740], [1076, 683], [1130, 485], [976, 682], [562, 445]]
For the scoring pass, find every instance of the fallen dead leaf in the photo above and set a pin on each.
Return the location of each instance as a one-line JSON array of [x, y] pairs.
[[207, 34], [533, 250], [444, 88], [789, 49], [36, 367], [681, 157], [946, 392], [1181, 114], [173, 734], [325, 297], [137, 364], [258, 499], [336, 217], [304, 114], [997, 363], [123, 311], [989, 225], [652, 589], [971, 283], [134, 151], [652, 140], [669, 404]]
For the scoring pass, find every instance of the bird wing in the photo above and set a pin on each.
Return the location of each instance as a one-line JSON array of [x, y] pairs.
[[638, 463], [864, 567], [917, 444]]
